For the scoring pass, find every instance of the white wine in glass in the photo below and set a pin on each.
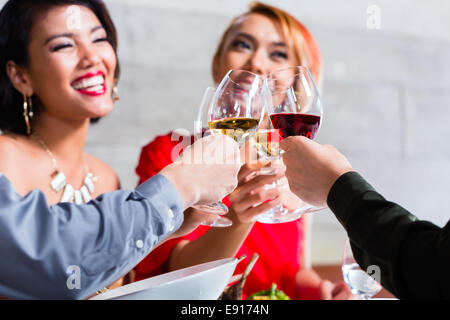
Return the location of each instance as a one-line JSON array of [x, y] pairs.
[[234, 109], [240, 129], [267, 144]]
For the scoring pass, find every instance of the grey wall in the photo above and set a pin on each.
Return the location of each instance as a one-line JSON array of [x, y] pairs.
[[386, 91]]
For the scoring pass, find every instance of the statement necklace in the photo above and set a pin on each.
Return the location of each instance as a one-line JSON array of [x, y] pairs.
[[59, 181]]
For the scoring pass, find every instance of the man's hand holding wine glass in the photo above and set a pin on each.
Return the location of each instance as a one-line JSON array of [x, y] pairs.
[[211, 168], [312, 168]]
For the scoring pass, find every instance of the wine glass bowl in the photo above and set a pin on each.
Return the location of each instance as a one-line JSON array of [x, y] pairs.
[[295, 107], [359, 282], [238, 105], [294, 88], [267, 144]]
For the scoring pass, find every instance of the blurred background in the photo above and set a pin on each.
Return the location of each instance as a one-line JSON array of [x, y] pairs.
[[386, 91]]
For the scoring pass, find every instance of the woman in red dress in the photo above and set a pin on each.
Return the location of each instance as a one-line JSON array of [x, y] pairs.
[[261, 40]]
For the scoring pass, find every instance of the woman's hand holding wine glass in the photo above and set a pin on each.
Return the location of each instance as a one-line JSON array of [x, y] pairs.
[[251, 197]]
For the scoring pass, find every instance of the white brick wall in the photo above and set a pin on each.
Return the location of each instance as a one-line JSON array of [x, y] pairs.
[[386, 92]]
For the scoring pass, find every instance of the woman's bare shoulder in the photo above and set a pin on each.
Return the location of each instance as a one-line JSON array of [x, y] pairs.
[[107, 177], [10, 148], [8, 141], [15, 156]]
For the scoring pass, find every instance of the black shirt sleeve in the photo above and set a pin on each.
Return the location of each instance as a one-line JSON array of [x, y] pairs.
[[413, 256]]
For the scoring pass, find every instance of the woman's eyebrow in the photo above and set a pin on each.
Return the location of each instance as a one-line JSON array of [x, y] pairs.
[[61, 35], [253, 39], [68, 34], [245, 35], [279, 44], [96, 28]]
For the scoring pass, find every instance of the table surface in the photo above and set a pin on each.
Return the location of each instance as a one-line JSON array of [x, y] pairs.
[[333, 273]]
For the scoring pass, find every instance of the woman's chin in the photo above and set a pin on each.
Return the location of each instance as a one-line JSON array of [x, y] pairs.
[[102, 110]]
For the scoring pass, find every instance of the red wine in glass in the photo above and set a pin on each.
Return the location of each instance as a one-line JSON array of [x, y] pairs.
[[296, 124]]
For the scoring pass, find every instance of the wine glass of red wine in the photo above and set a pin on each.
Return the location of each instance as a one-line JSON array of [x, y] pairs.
[[295, 108]]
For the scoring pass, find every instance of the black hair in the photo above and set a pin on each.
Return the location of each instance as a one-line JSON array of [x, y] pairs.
[[16, 21]]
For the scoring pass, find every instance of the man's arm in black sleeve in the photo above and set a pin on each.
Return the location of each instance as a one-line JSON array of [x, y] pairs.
[[413, 255]]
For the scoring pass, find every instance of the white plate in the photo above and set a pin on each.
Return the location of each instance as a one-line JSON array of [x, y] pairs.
[[201, 282]]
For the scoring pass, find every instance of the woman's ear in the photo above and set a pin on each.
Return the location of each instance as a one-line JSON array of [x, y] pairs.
[[19, 78]]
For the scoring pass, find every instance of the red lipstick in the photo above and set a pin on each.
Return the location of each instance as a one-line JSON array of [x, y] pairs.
[[94, 87]]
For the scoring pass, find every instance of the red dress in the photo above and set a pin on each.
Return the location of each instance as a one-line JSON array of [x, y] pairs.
[[279, 245]]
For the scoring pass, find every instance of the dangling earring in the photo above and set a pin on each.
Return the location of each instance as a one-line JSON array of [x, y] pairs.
[[115, 94], [28, 113]]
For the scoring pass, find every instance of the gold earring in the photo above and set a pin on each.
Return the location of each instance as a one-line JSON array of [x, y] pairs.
[[28, 114], [115, 94]]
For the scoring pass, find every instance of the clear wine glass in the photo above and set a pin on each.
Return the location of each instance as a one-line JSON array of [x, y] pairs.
[[234, 109], [355, 277], [200, 130], [267, 145], [295, 107]]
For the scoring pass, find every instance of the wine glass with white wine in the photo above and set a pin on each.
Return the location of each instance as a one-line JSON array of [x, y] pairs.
[[291, 208], [235, 108]]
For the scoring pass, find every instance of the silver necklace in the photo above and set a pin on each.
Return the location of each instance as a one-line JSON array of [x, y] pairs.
[[59, 180]]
